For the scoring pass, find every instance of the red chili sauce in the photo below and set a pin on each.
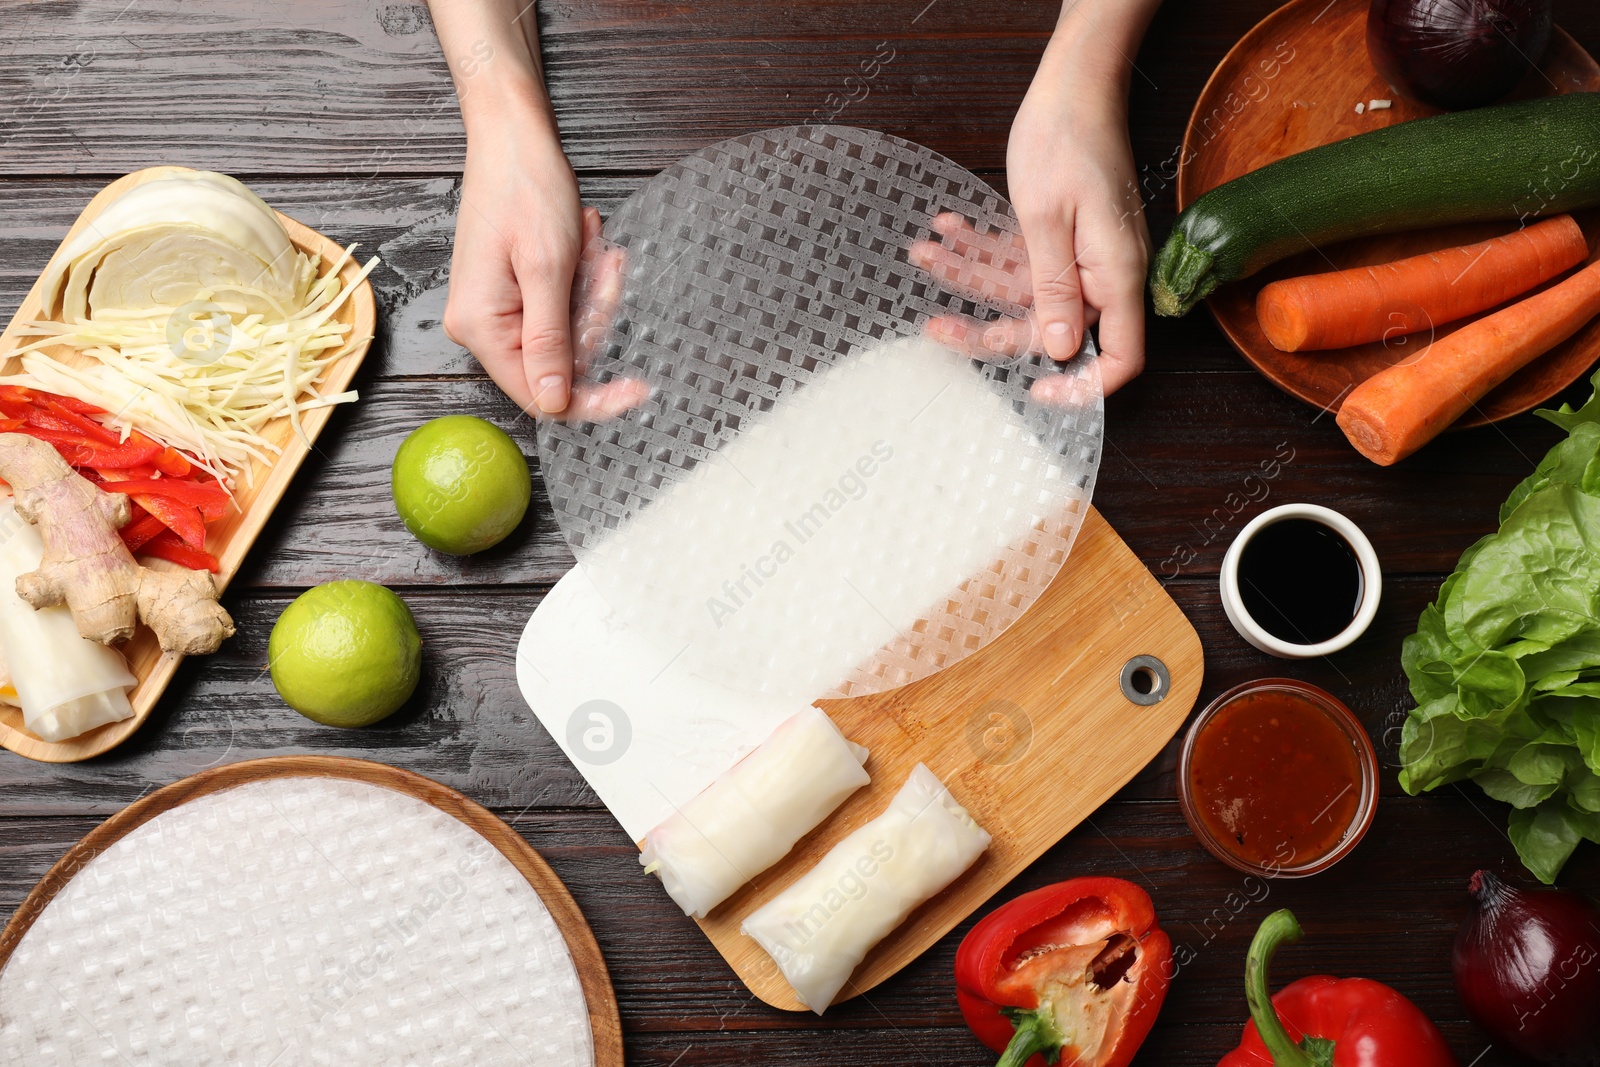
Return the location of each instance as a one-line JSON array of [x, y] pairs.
[[1275, 779]]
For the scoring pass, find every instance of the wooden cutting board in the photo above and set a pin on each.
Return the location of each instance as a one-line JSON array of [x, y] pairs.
[[228, 539], [1031, 733], [604, 1022]]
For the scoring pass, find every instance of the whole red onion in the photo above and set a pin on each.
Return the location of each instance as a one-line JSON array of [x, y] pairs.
[[1456, 53], [1527, 966]]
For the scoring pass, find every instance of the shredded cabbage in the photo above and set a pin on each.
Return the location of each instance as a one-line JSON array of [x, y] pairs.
[[206, 376]]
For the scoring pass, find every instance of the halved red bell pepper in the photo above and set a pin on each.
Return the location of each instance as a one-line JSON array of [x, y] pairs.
[[166, 545], [1074, 972], [1328, 1022]]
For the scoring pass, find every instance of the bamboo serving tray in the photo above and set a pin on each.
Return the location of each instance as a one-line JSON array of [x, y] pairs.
[[1292, 83], [1031, 733], [604, 1021], [229, 539]]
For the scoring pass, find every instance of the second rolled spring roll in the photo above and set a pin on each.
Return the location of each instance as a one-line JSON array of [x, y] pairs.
[[750, 817], [821, 928]]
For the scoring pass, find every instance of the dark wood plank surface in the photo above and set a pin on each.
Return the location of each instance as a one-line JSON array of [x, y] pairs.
[[341, 114]]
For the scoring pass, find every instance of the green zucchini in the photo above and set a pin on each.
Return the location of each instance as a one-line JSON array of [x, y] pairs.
[[1514, 161]]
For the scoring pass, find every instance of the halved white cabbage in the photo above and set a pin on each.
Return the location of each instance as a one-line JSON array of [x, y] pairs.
[[161, 242]]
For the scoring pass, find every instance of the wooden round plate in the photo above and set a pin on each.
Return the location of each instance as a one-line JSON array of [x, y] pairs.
[[604, 1021], [1292, 83]]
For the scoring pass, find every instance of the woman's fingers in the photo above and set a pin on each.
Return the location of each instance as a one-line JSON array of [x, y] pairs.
[[999, 267], [968, 277], [597, 403], [986, 341], [545, 277], [1007, 338], [1004, 250], [1067, 390], [992, 266], [483, 312], [1057, 286], [1122, 335], [596, 297], [1113, 281]]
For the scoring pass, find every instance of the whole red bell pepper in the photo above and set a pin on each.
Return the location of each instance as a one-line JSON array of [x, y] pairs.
[[1073, 973], [1328, 1022]]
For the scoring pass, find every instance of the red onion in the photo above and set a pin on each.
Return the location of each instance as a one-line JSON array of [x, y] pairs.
[[1456, 53], [1527, 966]]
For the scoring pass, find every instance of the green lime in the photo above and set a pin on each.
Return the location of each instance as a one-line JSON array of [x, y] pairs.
[[460, 484], [346, 653]]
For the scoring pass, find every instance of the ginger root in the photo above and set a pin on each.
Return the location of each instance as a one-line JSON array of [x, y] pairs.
[[87, 567]]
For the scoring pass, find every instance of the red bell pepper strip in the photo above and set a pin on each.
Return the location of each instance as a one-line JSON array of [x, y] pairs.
[[181, 518], [174, 463], [74, 404], [46, 420], [1328, 1022], [85, 425], [23, 395], [1074, 972], [184, 520], [166, 545], [141, 531], [81, 451], [209, 497]]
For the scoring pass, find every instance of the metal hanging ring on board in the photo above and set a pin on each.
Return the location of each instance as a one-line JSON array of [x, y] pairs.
[[1145, 680]]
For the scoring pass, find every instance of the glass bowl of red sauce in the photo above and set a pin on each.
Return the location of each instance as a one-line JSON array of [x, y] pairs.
[[1278, 778]]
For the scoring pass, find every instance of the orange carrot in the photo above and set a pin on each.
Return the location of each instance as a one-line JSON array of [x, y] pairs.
[[1352, 307], [1400, 409]]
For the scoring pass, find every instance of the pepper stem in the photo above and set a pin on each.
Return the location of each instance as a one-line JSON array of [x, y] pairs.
[[1036, 1033], [1279, 928]]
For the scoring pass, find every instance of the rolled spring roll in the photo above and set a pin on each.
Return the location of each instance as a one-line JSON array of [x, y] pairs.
[[8, 692], [65, 685], [820, 929], [750, 817]]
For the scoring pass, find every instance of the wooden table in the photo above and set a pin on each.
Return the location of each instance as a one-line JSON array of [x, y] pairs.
[[341, 113]]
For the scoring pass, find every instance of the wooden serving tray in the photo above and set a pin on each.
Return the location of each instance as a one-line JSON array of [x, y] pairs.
[[1292, 83], [604, 1021], [1031, 733], [228, 539]]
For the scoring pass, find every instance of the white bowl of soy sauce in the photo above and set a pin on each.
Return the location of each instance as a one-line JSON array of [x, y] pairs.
[[1300, 581]]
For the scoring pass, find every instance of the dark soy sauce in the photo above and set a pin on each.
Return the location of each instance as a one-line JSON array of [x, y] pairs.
[[1300, 581]]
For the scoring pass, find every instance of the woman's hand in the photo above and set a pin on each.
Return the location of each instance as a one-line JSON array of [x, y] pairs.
[[531, 291], [1070, 168], [519, 232], [1073, 184]]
